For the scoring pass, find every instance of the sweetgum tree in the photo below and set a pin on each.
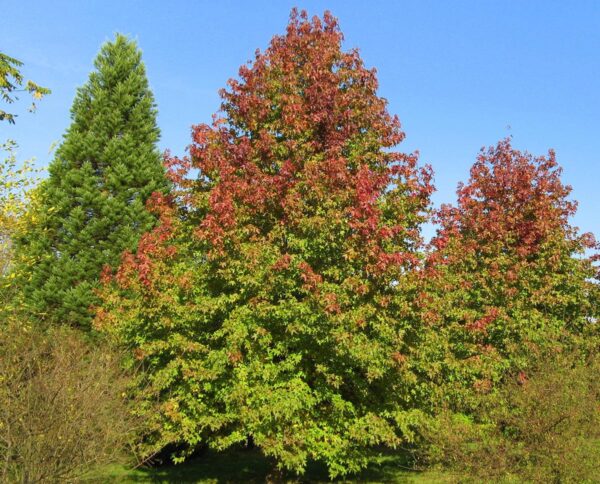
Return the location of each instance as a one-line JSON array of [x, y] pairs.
[[509, 279], [271, 303], [92, 205]]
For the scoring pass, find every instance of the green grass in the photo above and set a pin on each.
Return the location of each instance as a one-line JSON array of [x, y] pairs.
[[249, 466]]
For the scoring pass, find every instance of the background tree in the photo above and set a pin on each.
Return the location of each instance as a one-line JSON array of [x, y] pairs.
[[17, 181], [509, 280], [271, 303], [92, 204]]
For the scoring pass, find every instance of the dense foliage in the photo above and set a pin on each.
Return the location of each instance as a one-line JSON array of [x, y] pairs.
[[274, 306], [91, 207], [271, 289], [508, 278], [547, 430]]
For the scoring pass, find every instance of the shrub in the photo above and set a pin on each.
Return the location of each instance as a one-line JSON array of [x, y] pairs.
[[62, 405], [543, 428]]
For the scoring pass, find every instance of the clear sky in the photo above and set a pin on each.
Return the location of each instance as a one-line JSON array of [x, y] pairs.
[[460, 74]]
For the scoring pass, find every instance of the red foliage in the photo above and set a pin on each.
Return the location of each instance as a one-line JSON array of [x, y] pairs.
[[511, 199], [303, 125], [507, 275]]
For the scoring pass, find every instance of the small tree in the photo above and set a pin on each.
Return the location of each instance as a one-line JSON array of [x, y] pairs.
[[17, 182], [16, 179], [508, 279], [92, 204], [271, 303]]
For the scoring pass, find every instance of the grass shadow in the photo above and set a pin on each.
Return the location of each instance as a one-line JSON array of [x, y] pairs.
[[250, 466]]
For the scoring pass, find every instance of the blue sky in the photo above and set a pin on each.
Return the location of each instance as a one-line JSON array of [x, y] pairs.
[[459, 74]]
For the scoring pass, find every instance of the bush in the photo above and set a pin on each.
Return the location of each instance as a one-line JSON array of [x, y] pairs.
[[544, 427], [62, 405]]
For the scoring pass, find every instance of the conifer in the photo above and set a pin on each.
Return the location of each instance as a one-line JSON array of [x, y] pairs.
[[92, 205]]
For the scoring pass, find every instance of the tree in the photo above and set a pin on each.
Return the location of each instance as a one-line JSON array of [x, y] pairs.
[[271, 302], [17, 181], [92, 205], [508, 280], [11, 82]]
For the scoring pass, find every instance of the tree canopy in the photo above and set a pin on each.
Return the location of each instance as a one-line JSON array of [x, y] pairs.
[[271, 302], [92, 205]]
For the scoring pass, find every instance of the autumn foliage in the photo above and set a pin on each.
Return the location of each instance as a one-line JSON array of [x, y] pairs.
[[271, 303], [286, 298], [508, 279], [276, 292]]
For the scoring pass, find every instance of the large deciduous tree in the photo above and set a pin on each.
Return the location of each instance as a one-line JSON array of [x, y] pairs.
[[509, 279], [272, 301], [92, 205]]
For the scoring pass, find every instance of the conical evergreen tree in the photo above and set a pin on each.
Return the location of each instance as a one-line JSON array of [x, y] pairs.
[[92, 206]]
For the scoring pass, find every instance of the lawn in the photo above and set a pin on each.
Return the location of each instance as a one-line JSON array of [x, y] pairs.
[[249, 466]]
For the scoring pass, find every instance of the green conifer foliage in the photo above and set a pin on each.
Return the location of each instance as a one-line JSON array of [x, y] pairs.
[[92, 205]]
